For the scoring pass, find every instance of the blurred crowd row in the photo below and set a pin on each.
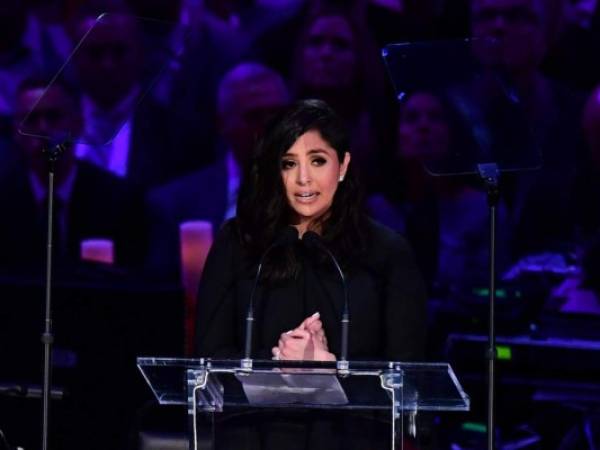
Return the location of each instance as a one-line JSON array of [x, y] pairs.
[[164, 112]]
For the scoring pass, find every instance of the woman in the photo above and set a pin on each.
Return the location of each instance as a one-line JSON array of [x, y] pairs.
[[301, 176]]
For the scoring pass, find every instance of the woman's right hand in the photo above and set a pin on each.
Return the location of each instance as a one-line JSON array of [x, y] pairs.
[[306, 342]]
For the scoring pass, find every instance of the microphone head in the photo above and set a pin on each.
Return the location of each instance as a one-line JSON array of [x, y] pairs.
[[311, 239], [288, 236]]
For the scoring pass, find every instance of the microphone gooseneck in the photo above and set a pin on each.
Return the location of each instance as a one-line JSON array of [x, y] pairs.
[[287, 237], [312, 239]]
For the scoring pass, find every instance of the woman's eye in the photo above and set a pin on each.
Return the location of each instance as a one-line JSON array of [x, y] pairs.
[[287, 164], [319, 161]]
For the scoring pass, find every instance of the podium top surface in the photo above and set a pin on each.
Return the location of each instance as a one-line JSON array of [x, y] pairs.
[[424, 386]]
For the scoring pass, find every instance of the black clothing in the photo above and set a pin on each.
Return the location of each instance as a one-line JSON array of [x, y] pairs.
[[387, 300]]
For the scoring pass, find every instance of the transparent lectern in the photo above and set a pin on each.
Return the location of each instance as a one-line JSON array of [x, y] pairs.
[[210, 387]]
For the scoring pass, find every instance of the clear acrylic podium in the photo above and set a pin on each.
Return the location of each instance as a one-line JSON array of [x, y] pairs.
[[210, 386]]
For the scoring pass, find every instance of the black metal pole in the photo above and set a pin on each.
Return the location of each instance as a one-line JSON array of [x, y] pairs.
[[47, 337], [491, 350], [53, 154], [490, 175]]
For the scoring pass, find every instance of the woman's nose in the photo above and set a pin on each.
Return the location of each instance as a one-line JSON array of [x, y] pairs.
[[303, 176]]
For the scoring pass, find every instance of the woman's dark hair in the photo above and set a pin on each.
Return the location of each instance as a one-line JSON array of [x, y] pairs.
[[263, 210]]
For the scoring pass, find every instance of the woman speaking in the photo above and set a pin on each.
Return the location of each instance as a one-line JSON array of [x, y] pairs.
[[301, 178]]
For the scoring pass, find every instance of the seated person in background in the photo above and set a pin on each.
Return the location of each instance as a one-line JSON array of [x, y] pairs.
[[89, 203], [26, 46], [195, 52], [126, 133], [537, 200], [301, 178], [247, 96], [445, 217]]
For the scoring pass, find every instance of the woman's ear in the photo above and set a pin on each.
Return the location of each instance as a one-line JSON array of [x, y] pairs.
[[344, 166]]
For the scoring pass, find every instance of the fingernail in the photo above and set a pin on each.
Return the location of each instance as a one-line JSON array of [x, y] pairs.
[[316, 314], [289, 332]]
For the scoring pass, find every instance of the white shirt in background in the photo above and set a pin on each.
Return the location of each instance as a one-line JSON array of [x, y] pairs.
[[99, 144]]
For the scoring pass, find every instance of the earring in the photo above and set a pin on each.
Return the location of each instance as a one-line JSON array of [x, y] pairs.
[[341, 178]]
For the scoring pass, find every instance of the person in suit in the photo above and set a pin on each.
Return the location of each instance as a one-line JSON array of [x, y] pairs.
[[247, 96], [127, 132], [538, 201], [89, 203], [301, 178]]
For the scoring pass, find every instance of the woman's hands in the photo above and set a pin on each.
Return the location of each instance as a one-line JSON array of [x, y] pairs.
[[306, 342]]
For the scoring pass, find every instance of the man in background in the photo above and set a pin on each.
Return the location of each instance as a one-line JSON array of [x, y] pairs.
[[89, 202], [247, 96]]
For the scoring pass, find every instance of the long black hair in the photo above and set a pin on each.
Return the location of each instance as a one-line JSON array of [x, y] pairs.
[[263, 210]]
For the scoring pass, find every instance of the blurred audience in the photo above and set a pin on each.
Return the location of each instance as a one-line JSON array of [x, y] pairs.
[[247, 96], [538, 200], [580, 13], [387, 21], [126, 133], [249, 19], [191, 52], [401, 20], [25, 47], [573, 55], [326, 49], [89, 202], [445, 218]]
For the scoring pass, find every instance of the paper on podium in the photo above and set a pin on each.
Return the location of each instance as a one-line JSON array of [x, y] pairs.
[[292, 388]]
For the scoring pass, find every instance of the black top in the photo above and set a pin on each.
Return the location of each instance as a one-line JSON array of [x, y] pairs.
[[386, 295]]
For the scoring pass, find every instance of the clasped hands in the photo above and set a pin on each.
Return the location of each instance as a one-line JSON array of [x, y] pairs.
[[305, 342]]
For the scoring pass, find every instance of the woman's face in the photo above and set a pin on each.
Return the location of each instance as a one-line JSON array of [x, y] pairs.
[[423, 130], [311, 171]]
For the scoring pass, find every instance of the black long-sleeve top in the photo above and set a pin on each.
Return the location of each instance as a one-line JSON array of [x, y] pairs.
[[386, 297]]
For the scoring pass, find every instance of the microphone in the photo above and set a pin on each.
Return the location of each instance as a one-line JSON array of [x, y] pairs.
[[312, 239], [287, 237]]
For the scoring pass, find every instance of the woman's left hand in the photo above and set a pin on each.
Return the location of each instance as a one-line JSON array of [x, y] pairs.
[[306, 342]]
